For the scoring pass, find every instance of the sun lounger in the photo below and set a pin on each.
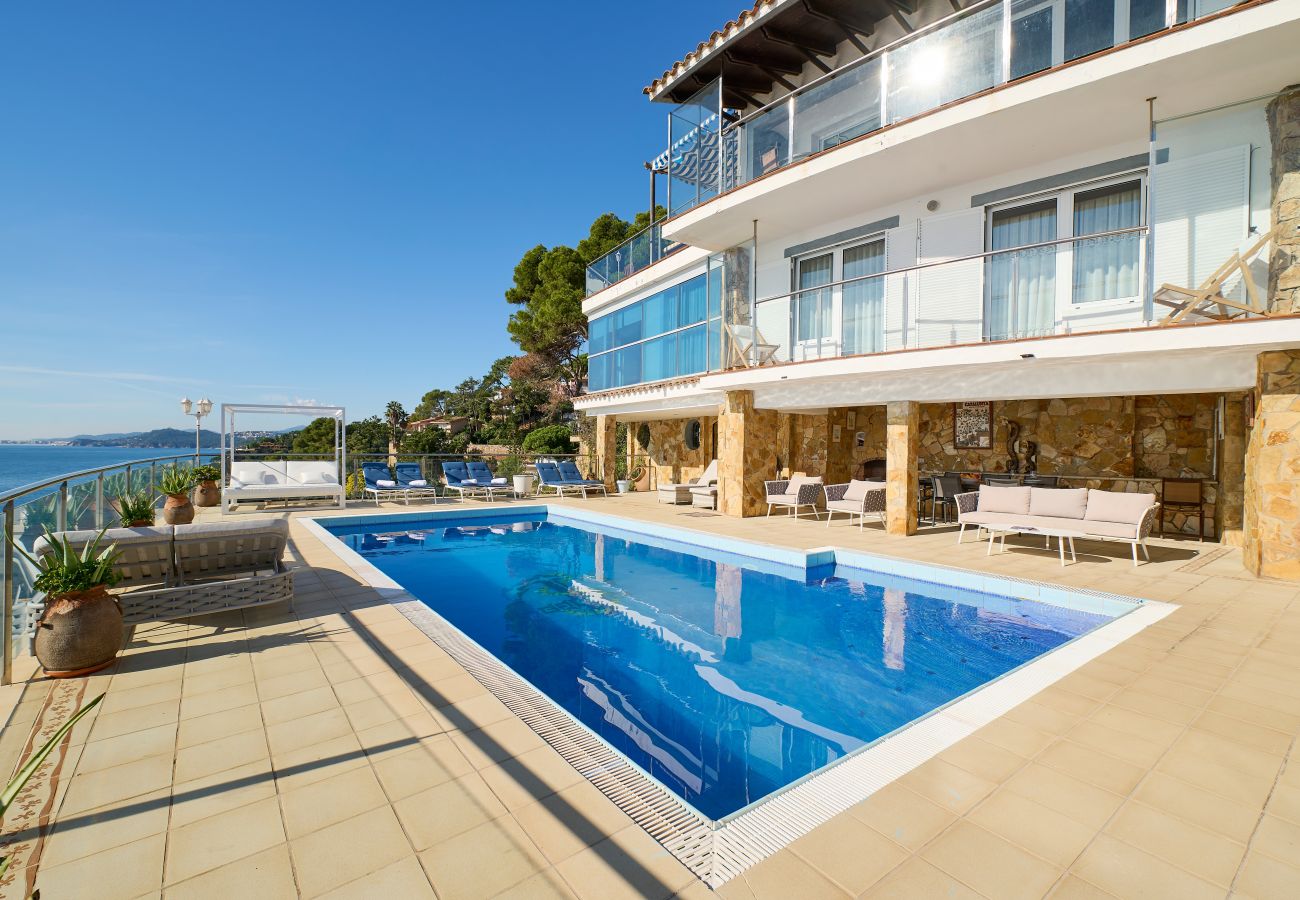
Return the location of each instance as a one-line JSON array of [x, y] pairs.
[[411, 479], [548, 476], [380, 484], [480, 474], [569, 472]]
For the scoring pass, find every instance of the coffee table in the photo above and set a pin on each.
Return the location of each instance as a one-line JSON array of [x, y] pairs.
[[1062, 536]]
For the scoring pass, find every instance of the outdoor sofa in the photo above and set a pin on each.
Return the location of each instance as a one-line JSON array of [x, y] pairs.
[[794, 493], [1105, 515], [856, 498], [258, 482], [681, 492], [173, 572]]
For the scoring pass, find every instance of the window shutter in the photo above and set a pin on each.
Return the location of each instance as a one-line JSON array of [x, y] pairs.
[[1200, 214], [951, 297]]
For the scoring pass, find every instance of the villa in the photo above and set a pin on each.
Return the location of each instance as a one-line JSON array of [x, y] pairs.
[[939, 536]]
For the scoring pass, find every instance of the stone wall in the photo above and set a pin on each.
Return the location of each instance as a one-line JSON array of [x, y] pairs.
[[669, 457], [1284, 263], [1272, 503]]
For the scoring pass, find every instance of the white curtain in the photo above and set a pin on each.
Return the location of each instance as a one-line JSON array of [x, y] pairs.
[[1106, 268], [1022, 283], [864, 301], [814, 307]]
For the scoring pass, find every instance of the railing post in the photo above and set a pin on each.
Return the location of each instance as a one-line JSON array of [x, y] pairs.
[[99, 501], [1015, 296], [61, 514], [128, 479], [7, 595], [153, 476]]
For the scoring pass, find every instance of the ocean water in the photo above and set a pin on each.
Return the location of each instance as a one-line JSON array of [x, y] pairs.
[[23, 464], [725, 678]]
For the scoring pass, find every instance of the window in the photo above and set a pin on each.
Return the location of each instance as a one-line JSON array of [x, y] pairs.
[[864, 301], [854, 311], [813, 308], [1046, 33], [691, 436], [1106, 268], [1021, 293]]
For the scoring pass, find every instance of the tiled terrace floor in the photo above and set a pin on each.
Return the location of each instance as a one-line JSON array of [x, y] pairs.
[[335, 751]]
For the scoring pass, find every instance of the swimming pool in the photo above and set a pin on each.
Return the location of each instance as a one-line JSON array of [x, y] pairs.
[[725, 677]]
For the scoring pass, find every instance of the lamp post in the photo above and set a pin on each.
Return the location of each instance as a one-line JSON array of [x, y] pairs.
[[198, 411]]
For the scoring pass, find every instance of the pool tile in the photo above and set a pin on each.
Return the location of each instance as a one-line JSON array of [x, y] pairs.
[[850, 853], [991, 865], [1043, 831], [483, 861], [903, 816], [348, 850]]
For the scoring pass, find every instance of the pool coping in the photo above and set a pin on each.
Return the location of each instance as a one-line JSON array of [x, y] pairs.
[[719, 850]]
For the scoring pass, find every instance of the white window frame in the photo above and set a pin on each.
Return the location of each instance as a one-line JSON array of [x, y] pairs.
[[1066, 306], [831, 344]]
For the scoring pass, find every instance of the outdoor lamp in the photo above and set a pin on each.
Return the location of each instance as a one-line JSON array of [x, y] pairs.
[[186, 405]]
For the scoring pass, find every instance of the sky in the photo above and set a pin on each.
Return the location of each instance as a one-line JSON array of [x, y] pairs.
[[294, 201]]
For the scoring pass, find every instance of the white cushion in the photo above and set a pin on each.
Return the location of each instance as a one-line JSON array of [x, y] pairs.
[[419, 482], [385, 483], [858, 489], [995, 498], [798, 481], [236, 483], [1117, 506], [313, 478], [499, 481], [249, 476], [1062, 503]]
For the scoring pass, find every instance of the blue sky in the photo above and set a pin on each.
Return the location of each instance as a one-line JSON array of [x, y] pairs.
[[316, 201]]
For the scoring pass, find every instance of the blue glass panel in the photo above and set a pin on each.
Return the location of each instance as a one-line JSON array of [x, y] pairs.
[[627, 366], [694, 300], [715, 344], [598, 372], [598, 334], [692, 350], [660, 358], [660, 312], [627, 325]]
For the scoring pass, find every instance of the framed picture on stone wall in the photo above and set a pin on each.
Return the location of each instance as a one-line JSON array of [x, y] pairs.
[[972, 425]]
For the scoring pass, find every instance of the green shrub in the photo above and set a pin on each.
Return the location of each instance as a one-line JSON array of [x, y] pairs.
[[549, 439], [176, 481], [136, 507], [206, 473]]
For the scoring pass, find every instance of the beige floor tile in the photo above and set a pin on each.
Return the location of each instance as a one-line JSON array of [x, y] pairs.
[[848, 852], [1278, 838], [1200, 852], [1072, 888], [496, 742], [296, 706], [979, 757], [1130, 748], [94, 790], [1096, 768], [948, 786], [131, 721], [94, 831], [1069, 796], [425, 764], [1285, 801], [313, 729], [442, 812], [786, 875], [351, 849], [221, 792], [202, 729], [1126, 871], [991, 865], [446, 691], [1264, 878], [296, 683], [224, 753], [902, 816], [529, 777], [223, 838], [134, 698], [122, 873], [127, 748], [400, 880], [483, 861], [576, 818], [267, 876], [322, 803], [1037, 828], [916, 879], [1230, 818], [629, 864], [218, 701], [548, 885]]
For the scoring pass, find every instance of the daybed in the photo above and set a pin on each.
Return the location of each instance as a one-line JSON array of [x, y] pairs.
[[259, 482], [190, 570], [857, 498], [1106, 515], [681, 492]]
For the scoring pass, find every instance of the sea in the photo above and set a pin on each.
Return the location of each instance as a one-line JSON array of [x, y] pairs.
[[23, 464]]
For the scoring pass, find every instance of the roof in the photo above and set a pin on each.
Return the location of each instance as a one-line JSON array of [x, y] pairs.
[[771, 40]]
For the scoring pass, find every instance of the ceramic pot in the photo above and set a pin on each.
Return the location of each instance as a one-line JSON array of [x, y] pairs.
[[207, 494], [79, 633], [178, 510]]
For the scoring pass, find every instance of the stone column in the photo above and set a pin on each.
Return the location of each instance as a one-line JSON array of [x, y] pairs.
[[607, 448], [1232, 471], [1272, 504], [1284, 263], [902, 430], [747, 451]]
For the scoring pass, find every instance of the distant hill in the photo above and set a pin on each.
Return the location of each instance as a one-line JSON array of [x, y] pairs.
[[159, 437]]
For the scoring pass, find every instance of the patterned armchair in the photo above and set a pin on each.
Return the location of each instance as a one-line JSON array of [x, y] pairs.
[[856, 498], [793, 494]]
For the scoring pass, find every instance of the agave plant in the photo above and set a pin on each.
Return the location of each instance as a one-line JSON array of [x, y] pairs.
[[62, 570], [15, 785], [176, 480], [135, 508]]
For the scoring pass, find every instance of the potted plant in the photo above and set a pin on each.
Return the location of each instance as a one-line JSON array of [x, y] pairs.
[[136, 510], [208, 492], [80, 630], [176, 483]]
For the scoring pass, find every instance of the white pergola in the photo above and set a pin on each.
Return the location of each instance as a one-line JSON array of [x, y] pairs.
[[337, 413]]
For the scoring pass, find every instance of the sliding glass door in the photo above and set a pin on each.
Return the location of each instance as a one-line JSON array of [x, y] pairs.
[[1021, 299], [864, 301]]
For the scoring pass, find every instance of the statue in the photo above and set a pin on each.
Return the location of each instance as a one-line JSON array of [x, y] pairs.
[[1031, 458], [1013, 438]]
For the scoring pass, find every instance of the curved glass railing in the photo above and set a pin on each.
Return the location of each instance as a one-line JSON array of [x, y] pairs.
[[643, 249]]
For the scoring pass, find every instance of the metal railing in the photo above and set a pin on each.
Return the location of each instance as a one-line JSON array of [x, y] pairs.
[[641, 250]]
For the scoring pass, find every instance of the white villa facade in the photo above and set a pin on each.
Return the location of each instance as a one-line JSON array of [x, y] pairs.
[[878, 210]]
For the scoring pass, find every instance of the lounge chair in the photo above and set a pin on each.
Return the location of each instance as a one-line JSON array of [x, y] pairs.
[[548, 476], [748, 348], [380, 484], [411, 480], [792, 494], [569, 472], [481, 475], [456, 478], [681, 492], [857, 498]]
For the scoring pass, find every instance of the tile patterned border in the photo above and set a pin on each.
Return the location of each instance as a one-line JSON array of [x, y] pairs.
[[717, 851]]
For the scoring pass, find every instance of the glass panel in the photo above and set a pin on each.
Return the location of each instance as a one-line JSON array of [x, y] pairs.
[[766, 139], [813, 309], [598, 334], [598, 372], [837, 110], [1031, 37], [864, 301], [661, 312], [953, 62], [1145, 17], [693, 301], [715, 344], [627, 325], [715, 288], [1089, 27], [627, 366], [691, 349], [694, 164], [1107, 268], [660, 359], [1021, 285]]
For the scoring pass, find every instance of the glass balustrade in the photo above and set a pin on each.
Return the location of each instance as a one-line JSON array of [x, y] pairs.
[[642, 249]]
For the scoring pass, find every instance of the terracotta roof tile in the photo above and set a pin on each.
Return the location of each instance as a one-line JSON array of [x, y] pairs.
[[742, 21]]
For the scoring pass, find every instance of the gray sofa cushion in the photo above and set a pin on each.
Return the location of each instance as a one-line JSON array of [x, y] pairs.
[[1065, 503]]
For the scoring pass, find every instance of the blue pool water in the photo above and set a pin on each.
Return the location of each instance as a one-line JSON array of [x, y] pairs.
[[725, 677]]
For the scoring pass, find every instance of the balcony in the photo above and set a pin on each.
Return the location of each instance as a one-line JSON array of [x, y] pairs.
[[641, 250]]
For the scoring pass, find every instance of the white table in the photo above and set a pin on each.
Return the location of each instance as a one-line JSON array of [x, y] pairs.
[[1062, 536]]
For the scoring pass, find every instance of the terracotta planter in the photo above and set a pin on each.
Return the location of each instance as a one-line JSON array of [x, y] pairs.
[[207, 494], [178, 510], [79, 633]]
